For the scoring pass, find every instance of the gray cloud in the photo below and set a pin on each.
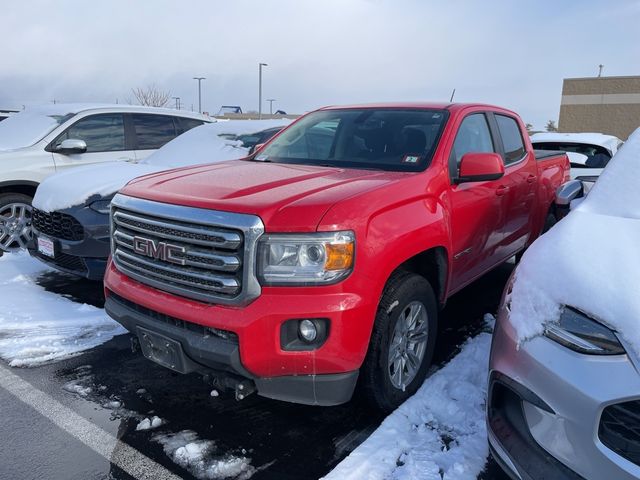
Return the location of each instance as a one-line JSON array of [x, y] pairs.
[[326, 52]]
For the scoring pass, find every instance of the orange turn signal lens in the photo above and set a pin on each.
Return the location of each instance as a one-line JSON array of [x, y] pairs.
[[339, 256]]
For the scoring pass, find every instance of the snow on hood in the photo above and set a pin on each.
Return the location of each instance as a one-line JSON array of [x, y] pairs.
[[197, 146], [606, 141], [590, 259]]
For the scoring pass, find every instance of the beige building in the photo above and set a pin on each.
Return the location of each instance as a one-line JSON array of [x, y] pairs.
[[608, 105]]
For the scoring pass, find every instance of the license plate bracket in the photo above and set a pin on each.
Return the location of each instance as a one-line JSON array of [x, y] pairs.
[[163, 350]]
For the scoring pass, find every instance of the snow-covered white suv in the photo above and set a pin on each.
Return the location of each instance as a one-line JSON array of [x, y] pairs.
[[40, 141]]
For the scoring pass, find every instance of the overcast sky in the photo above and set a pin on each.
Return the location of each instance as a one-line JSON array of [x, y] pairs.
[[511, 53]]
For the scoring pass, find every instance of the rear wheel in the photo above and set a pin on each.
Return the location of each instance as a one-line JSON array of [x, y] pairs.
[[15, 221], [402, 341]]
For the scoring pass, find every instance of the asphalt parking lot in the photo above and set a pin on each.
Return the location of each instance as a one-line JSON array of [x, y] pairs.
[[77, 419]]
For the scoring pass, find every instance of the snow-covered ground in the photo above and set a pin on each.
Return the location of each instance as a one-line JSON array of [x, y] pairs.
[[439, 433], [37, 326]]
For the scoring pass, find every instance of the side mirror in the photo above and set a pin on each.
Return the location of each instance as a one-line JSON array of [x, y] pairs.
[[480, 167], [566, 193], [71, 145]]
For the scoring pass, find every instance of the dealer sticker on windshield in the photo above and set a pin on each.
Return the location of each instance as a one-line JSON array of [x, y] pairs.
[[410, 159], [45, 247]]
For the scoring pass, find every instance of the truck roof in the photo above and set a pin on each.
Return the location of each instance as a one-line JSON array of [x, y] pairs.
[[417, 105]]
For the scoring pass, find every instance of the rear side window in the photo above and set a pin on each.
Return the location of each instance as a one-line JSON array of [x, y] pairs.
[[187, 124], [153, 131], [101, 133], [473, 136], [511, 139]]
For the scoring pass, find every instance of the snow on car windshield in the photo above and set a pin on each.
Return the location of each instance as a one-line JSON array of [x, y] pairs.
[[205, 144], [32, 125], [590, 259]]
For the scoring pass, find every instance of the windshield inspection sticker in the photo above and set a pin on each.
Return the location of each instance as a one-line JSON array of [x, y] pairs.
[[410, 159]]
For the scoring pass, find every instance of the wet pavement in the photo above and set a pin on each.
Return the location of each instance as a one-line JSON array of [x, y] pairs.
[[114, 389]]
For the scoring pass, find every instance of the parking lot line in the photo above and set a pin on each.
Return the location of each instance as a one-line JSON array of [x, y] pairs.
[[100, 441]]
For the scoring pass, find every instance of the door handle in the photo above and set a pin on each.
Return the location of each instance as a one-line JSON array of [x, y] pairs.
[[531, 178], [501, 190]]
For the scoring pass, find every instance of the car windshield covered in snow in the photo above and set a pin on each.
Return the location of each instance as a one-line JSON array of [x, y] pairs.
[[30, 126], [385, 139]]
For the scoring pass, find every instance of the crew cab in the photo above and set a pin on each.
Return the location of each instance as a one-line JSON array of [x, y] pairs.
[[322, 260], [43, 140]]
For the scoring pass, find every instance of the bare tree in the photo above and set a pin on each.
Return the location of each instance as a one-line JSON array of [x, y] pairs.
[[551, 126], [151, 96]]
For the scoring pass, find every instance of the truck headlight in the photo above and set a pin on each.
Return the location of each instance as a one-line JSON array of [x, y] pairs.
[[582, 334], [305, 259]]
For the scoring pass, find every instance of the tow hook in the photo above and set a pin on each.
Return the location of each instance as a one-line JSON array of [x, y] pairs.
[[242, 388], [135, 345]]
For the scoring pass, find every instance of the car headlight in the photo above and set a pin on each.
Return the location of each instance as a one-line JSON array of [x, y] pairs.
[[582, 334], [305, 259], [101, 206]]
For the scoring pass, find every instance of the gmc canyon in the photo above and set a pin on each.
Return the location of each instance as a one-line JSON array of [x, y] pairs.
[[321, 261]]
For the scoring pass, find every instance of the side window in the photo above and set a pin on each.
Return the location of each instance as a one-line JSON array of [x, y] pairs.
[[473, 136], [153, 131], [187, 124], [511, 139], [101, 133]]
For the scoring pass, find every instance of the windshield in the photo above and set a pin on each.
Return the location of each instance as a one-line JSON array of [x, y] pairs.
[[385, 139], [28, 127]]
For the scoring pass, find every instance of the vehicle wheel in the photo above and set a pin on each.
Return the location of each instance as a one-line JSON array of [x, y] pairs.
[[15, 221], [402, 341]]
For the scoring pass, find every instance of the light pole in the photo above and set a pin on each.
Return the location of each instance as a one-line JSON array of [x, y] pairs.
[[199, 79], [177, 99], [271, 100], [260, 65]]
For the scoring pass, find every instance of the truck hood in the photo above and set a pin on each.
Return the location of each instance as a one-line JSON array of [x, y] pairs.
[[286, 197]]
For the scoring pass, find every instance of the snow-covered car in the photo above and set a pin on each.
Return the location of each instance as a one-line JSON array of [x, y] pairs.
[[71, 209], [4, 114], [40, 141], [588, 153], [564, 381]]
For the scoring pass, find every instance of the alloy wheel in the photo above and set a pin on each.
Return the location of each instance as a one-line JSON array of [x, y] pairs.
[[15, 226]]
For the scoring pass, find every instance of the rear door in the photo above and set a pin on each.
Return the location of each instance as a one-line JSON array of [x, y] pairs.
[[104, 135], [152, 132], [521, 179], [477, 214]]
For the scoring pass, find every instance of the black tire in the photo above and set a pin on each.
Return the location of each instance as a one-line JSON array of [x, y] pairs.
[[401, 290], [7, 199]]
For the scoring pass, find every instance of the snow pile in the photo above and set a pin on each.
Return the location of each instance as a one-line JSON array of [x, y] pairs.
[[590, 259], [438, 434], [194, 455], [149, 423], [200, 145], [37, 326]]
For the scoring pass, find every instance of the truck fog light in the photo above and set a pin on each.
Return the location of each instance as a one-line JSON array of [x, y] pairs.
[[308, 330]]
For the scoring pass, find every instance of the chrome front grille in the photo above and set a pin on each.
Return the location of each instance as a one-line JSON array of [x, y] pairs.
[[202, 254]]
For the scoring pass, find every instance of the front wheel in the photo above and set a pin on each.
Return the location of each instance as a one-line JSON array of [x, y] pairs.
[[402, 341], [15, 222]]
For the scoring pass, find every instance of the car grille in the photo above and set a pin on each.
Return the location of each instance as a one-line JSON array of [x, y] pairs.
[[57, 225], [66, 262], [620, 429], [201, 254]]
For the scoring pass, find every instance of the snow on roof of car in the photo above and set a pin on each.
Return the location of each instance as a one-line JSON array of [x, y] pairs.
[[590, 259], [197, 146], [606, 141]]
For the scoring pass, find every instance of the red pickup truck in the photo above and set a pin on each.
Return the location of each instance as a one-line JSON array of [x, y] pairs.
[[322, 260]]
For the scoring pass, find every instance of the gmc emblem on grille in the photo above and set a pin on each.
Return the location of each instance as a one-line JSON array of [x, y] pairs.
[[159, 250]]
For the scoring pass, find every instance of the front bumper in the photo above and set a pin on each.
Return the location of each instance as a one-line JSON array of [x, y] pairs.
[[545, 405], [324, 376], [86, 257]]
